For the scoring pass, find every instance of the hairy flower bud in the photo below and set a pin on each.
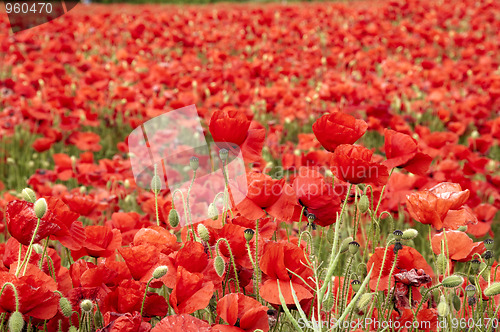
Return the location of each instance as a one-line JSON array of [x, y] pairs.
[[443, 308], [493, 290], [156, 184], [409, 234], [212, 212], [441, 263], [65, 306], [160, 271], [16, 322], [219, 266], [363, 204], [173, 218], [86, 306], [452, 281], [203, 232], [28, 195], [40, 207], [457, 303], [364, 300]]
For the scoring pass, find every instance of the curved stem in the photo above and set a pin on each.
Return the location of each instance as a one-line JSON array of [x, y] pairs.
[[232, 260], [15, 293], [145, 294]]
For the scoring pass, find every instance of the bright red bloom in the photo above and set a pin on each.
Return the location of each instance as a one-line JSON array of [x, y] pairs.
[[242, 312], [128, 322], [458, 245], [485, 214], [101, 242], [59, 222], [182, 323], [190, 293], [352, 163], [338, 128], [402, 151], [87, 141], [229, 126]]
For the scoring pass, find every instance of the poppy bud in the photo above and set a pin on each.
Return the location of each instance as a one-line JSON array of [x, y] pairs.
[[160, 271], [462, 229], [388, 219], [470, 290], [363, 204], [493, 290], [173, 218], [248, 234], [345, 244], [353, 247], [28, 195], [212, 212], [86, 306], [443, 308], [223, 153], [65, 306], [455, 300], [194, 162], [410, 234], [38, 248], [364, 300], [356, 285], [488, 244], [219, 266], [156, 184], [83, 190], [126, 183], [452, 281], [16, 322], [397, 234], [40, 207], [203, 232]]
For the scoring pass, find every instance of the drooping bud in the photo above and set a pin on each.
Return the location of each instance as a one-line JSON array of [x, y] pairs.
[[452, 281], [40, 207], [356, 285], [160, 271], [443, 308], [16, 322], [470, 290], [493, 290], [409, 234], [28, 195], [345, 244], [194, 163], [457, 303], [488, 244], [248, 233], [86, 306], [363, 204], [212, 212], [353, 247], [65, 306], [219, 266], [173, 218], [203, 232]]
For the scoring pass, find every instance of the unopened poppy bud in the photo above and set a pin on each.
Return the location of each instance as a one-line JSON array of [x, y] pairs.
[[462, 229], [194, 162], [409, 234], [219, 266], [353, 247], [388, 219], [443, 308], [28, 195], [65, 306], [363, 204], [397, 234], [38, 248], [72, 329], [345, 244], [203, 232], [86, 306], [173, 218], [212, 212], [40, 207], [223, 153], [126, 183], [470, 290], [160, 271], [156, 184], [493, 290], [356, 285], [83, 190], [455, 300], [488, 244], [364, 300], [452, 281], [248, 234], [16, 322]]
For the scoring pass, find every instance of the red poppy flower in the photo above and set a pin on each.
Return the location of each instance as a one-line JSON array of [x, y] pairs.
[[458, 245], [352, 163], [243, 312], [127, 322], [59, 222], [84, 205], [182, 323], [485, 214], [408, 258], [87, 141], [190, 292], [101, 242], [402, 151], [338, 128]]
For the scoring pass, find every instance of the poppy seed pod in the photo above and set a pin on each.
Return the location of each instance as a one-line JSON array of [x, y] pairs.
[[194, 163], [475, 264], [493, 290], [223, 153], [203, 232], [470, 290], [65, 306], [397, 234], [488, 244], [356, 285], [213, 213], [452, 281], [156, 184], [248, 233], [219, 266], [40, 207], [173, 218], [363, 204], [353, 247], [160, 271], [345, 244], [16, 322], [310, 218], [86, 306], [28, 195], [443, 308], [409, 234]]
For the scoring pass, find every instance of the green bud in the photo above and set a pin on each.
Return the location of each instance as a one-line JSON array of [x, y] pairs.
[[16, 322], [409, 234], [353, 247], [72, 329], [363, 204], [219, 266], [38, 248], [86, 306], [203, 232], [28, 195], [213, 213], [173, 218], [457, 303], [364, 300], [66, 307], [248, 233], [345, 244], [441, 263], [194, 162], [126, 183], [493, 290], [156, 184], [462, 229], [160, 271], [40, 207], [443, 308], [452, 281]]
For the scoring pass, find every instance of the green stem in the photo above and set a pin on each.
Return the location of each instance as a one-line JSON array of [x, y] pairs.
[[145, 294], [28, 252], [232, 260], [40, 263], [15, 293]]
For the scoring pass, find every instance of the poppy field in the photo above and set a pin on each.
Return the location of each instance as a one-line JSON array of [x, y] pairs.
[[321, 166]]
